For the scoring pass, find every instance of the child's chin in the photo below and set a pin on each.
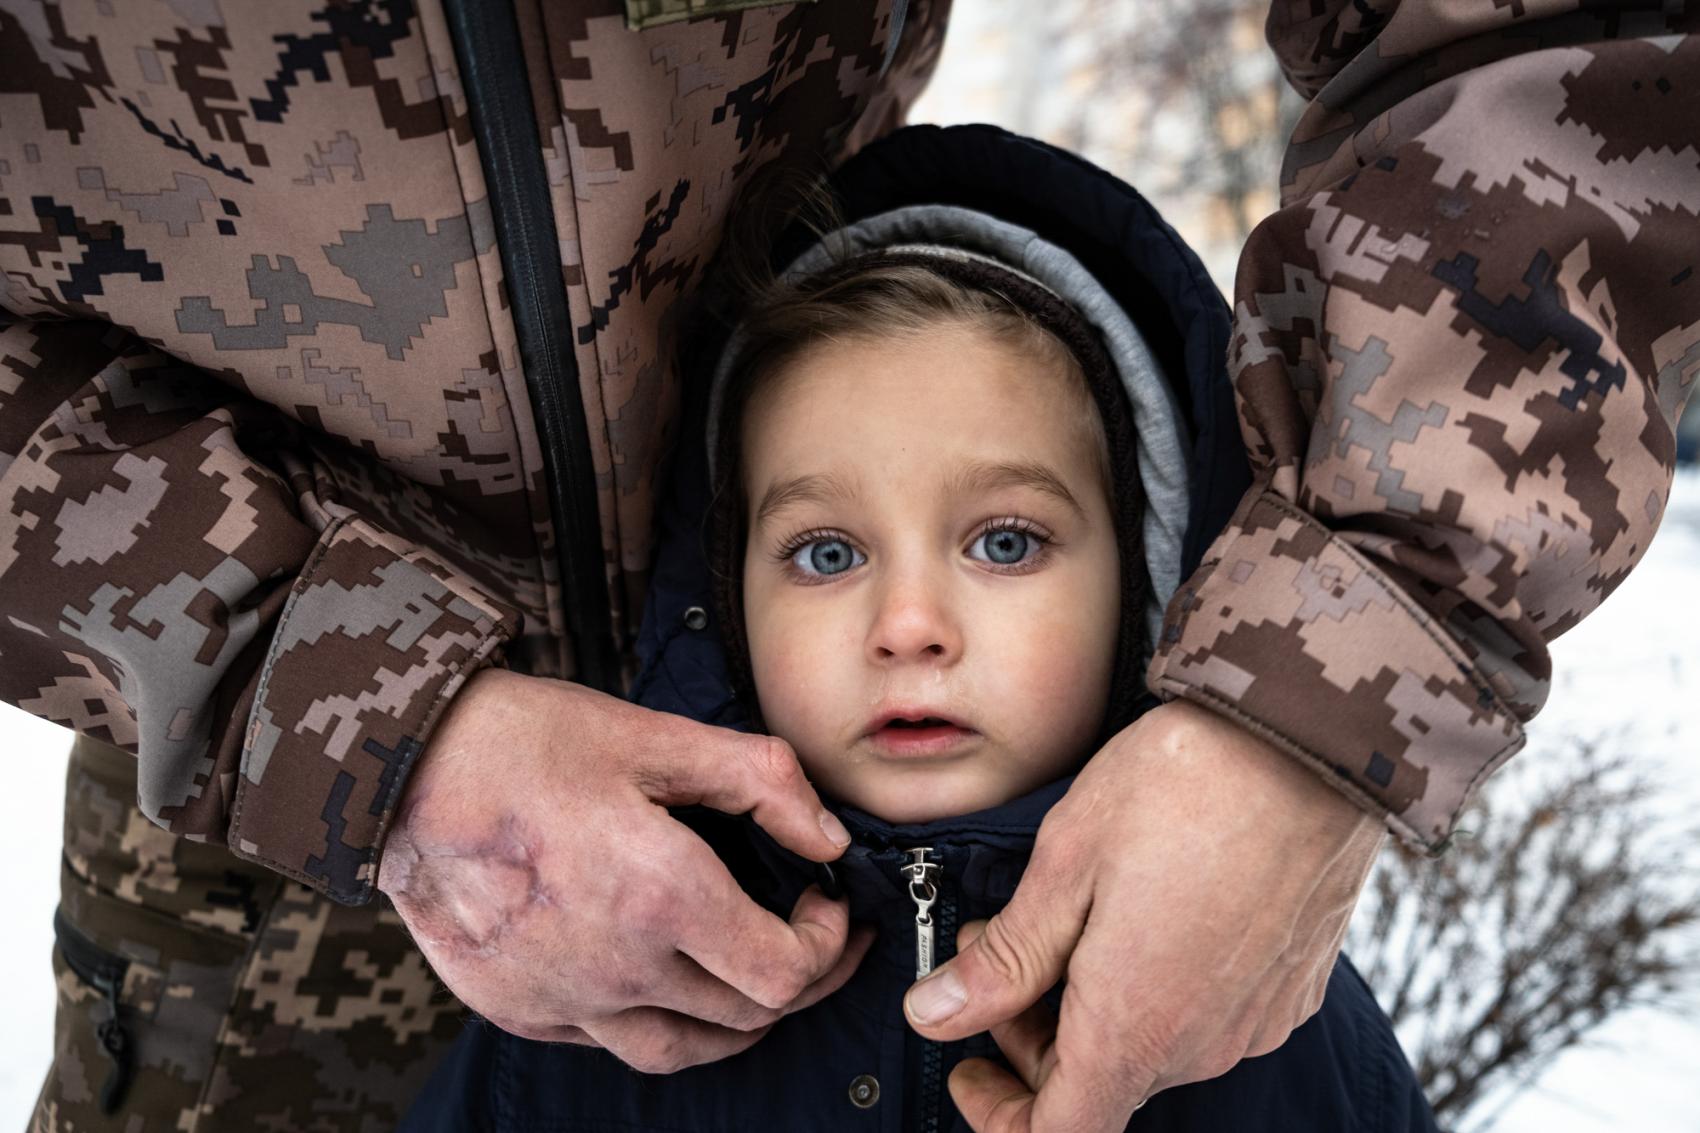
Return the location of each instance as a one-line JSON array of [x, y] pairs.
[[913, 805]]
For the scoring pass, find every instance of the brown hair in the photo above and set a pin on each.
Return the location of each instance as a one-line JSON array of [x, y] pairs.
[[885, 298]]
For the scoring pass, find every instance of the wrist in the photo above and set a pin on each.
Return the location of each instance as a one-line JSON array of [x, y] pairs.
[[463, 728], [1270, 787]]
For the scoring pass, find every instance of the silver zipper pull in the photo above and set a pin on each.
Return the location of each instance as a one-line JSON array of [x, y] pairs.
[[922, 890]]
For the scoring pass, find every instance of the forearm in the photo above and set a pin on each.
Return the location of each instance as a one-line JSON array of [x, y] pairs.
[[176, 582], [1459, 352]]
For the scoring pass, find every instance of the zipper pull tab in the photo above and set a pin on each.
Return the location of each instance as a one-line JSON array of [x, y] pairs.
[[115, 1044], [923, 890]]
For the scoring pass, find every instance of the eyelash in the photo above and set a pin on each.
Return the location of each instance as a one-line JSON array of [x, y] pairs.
[[788, 548]]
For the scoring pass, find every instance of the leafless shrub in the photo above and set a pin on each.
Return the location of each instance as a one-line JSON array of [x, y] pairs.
[[1571, 899], [1196, 97]]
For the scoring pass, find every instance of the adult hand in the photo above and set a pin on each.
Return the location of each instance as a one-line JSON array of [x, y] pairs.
[[536, 866], [1195, 885]]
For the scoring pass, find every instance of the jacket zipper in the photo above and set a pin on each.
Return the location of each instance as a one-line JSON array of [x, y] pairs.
[[104, 971], [498, 98], [925, 886], [924, 891]]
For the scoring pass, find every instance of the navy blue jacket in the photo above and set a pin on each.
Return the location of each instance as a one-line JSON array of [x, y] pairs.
[[851, 1062]]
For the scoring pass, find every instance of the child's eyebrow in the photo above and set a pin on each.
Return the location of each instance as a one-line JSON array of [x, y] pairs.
[[818, 488], [977, 476], [981, 476]]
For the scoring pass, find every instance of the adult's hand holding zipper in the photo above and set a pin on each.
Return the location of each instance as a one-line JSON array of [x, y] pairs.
[[535, 864], [1194, 885]]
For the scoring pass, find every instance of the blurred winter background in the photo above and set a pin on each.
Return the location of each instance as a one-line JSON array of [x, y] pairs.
[[1543, 974]]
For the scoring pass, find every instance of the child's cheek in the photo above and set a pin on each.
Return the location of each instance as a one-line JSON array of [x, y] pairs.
[[804, 671], [1055, 688]]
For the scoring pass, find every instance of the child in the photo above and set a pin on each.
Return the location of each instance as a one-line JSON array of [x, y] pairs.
[[950, 497]]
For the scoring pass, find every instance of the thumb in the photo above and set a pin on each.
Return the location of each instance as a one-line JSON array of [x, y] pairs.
[[1006, 964]]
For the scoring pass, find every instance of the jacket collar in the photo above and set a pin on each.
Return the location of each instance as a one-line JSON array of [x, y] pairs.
[[981, 856]]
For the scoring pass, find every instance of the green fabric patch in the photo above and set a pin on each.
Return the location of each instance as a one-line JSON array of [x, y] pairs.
[[642, 14]]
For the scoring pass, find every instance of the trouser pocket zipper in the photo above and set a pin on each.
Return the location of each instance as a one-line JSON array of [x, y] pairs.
[[104, 971]]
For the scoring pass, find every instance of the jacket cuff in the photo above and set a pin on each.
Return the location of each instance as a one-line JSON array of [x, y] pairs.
[[1292, 633], [375, 638]]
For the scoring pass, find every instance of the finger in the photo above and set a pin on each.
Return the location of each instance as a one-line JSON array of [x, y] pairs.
[[1023, 951], [767, 959], [545, 1033], [691, 990], [855, 950], [1028, 1041], [989, 1099], [744, 774], [656, 1041], [1090, 1087]]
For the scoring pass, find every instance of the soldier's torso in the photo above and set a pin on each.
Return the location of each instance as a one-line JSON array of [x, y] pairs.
[[291, 196]]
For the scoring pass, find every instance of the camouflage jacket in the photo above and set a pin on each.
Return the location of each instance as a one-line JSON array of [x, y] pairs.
[[274, 479]]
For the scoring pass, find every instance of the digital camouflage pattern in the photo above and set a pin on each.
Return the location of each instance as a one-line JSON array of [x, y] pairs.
[[270, 486], [269, 482], [648, 13], [247, 1001], [1460, 349]]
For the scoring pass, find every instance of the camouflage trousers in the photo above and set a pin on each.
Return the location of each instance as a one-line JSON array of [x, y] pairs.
[[198, 992]]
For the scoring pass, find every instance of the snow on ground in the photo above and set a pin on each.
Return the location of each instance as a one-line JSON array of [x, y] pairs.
[[32, 759], [1635, 664]]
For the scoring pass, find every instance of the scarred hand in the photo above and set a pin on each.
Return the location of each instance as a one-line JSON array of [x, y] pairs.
[[536, 865], [1195, 885]]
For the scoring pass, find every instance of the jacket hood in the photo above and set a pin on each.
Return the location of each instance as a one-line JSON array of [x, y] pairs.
[[1092, 240], [952, 232]]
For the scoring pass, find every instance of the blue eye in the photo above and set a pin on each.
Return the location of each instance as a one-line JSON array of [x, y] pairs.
[[1004, 546], [823, 557]]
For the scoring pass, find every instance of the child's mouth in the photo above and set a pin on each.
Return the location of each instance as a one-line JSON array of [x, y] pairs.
[[920, 736]]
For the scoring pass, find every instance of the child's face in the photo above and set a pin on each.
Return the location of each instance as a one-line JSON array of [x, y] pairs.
[[929, 538]]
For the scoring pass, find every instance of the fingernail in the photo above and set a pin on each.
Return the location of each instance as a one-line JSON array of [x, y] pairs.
[[834, 829], [936, 998]]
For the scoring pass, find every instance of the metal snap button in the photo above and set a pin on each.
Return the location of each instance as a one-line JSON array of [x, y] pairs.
[[864, 1090], [696, 618]]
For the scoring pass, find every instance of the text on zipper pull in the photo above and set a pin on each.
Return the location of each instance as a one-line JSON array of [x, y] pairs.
[[923, 891]]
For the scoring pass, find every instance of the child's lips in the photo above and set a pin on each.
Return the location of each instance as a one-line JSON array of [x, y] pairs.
[[920, 736]]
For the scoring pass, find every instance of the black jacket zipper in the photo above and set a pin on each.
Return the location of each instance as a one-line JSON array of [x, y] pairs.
[[103, 971], [935, 940], [498, 97]]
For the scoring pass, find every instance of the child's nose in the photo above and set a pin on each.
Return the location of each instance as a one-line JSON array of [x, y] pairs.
[[913, 622]]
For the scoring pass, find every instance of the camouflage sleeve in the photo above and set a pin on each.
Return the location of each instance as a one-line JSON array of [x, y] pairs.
[[178, 578], [1460, 349]]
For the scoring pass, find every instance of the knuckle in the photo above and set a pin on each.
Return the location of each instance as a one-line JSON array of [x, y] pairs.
[[1006, 954], [661, 1053], [1223, 1057], [783, 983], [1265, 1043], [755, 1017], [774, 762]]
